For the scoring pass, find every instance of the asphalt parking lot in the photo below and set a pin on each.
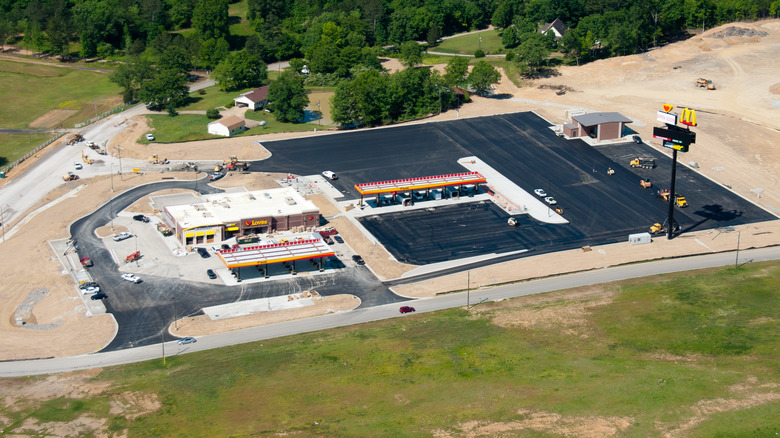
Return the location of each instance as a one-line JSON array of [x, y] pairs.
[[601, 208]]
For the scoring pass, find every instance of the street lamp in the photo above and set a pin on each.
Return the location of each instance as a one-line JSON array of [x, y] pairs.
[[112, 177], [319, 120]]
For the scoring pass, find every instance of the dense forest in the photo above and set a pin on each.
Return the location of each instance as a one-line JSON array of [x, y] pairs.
[[338, 42]]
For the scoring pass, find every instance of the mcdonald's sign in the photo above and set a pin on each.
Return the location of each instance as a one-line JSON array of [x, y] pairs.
[[688, 117]]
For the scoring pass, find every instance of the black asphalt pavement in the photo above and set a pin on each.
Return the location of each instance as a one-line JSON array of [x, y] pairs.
[[601, 208], [144, 310]]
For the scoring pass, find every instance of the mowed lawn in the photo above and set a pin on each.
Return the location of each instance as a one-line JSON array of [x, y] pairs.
[[15, 146], [468, 44], [28, 91], [689, 354], [190, 127]]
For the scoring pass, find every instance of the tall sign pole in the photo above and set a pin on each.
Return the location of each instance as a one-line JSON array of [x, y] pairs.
[[677, 139]]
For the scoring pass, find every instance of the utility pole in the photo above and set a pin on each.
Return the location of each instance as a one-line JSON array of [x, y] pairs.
[[468, 290], [112, 177], [119, 155], [162, 338], [2, 220], [739, 237]]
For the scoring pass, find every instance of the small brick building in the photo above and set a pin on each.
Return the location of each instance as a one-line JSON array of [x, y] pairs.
[[601, 126]]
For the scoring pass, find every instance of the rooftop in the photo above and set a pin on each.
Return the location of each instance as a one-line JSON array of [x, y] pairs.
[[224, 208], [257, 95], [593, 119]]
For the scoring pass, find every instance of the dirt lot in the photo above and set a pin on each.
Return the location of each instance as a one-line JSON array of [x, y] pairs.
[[737, 133]]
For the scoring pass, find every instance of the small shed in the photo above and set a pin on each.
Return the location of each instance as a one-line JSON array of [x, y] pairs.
[[253, 99], [601, 126], [227, 126]]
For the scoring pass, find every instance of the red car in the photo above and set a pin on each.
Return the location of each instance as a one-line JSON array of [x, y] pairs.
[[86, 262], [406, 309]]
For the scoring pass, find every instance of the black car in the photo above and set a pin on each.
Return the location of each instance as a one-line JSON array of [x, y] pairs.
[[225, 246], [338, 239], [211, 274], [141, 218], [203, 253], [88, 284], [99, 296], [357, 259]]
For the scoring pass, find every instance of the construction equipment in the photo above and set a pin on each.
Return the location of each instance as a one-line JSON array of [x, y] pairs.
[[233, 164], [75, 138], [154, 159], [610, 171], [96, 148], [644, 163], [164, 229], [512, 222], [645, 183], [657, 228], [705, 83], [679, 200], [133, 257], [86, 262], [86, 158], [218, 167], [70, 176]]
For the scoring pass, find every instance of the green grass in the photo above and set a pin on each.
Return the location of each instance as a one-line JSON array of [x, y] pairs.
[[15, 146], [190, 127], [29, 91], [273, 126], [213, 98], [468, 44], [415, 375]]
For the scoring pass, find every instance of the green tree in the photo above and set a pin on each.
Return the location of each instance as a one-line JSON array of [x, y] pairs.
[[212, 52], [510, 38], [533, 51], [287, 97], [131, 75], [167, 89], [175, 58], [482, 77], [240, 70], [502, 17], [210, 19], [362, 101], [410, 54], [456, 71]]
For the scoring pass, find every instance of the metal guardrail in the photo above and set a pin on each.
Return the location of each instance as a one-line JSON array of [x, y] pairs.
[[118, 109]]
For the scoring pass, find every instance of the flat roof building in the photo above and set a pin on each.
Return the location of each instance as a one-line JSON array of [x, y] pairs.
[[221, 216]]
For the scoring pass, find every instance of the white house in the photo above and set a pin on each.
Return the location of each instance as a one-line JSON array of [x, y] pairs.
[[557, 27], [253, 99], [227, 126]]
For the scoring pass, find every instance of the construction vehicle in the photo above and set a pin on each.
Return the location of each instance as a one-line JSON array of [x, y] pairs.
[[705, 83], [657, 228], [218, 167], [679, 200], [75, 138], [86, 158], [70, 176], [645, 183], [644, 163], [610, 171], [512, 222], [233, 164], [96, 148], [133, 257], [154, 159], [164, 229]]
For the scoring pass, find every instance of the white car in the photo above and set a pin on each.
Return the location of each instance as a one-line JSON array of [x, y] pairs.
[[540, 193], [132, 278], [90, 290], [150, 137], [550, 200], [89, 143], [122, 236], [77, 166], [329, 174]]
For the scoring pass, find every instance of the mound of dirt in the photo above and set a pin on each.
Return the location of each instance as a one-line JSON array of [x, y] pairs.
[[733, 31]]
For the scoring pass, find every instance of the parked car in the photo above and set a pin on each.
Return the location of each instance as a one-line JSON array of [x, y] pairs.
[[406, 309], [550, 200], [216, 175], [225, 246], [150, 137], [132, 278], [210, 272], [540, 193], [99, 296], [86, 262], [329, 174], [87, 284], [338, 239], [357, 259], [122, 236], [77, 166], [141, 218], [204, 253], [187, 340], [90, 290]]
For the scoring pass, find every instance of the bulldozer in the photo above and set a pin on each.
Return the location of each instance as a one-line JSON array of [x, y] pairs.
[[705, 83], [154, 159], [75, 138]]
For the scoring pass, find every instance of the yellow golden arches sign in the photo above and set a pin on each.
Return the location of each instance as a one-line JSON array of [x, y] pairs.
[[688, 117]]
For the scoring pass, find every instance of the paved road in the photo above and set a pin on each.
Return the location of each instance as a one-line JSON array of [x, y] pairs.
[[46, 366]]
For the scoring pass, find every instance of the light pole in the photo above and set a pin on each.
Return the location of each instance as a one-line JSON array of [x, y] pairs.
[[112, 177], [739, 237], [468, 290], [2, 220], [480, 41], [319, 110]]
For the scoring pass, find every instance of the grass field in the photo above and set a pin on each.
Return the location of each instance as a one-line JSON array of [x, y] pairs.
[[190, 127], [28, 91], [15, 146], [468, 44], [213, 98], [690, 354]]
